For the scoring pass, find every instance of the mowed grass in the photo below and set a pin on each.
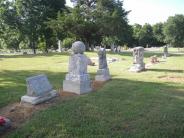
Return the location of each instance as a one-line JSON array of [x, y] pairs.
[[131, 105]]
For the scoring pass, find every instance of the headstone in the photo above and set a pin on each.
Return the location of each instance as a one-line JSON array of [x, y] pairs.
[[138, 63], [166, 54], [38, 90], [5, 123], [59, 46], [77, 80], [103, 70]]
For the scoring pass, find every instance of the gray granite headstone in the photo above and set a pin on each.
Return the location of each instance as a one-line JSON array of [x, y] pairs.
[[103, 70], [39, 90], [138, 60], [166, 53], [77, 79]]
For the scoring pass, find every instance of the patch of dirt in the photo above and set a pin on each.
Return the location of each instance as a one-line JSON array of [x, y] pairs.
[[19, 113], [172, 78], [97, 85]]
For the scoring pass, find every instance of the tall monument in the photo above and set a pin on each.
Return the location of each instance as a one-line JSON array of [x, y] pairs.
[[103, 70], [77, 80]]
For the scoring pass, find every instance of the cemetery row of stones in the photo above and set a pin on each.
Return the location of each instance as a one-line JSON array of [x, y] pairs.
[[77, 79]]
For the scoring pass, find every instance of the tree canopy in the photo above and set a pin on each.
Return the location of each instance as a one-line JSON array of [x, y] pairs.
[[174, 30], [41, 23]]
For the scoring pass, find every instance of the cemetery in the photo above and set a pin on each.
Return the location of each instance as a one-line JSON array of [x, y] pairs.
[[128, 104], [91, 69]]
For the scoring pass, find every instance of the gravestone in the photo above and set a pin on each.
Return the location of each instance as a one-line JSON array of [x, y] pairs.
[[166, 54], [103, 70], [5, 123], [77, 80], [138, 57], [38, 90]]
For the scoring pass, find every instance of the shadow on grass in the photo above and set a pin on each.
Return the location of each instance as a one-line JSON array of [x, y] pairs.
[[167, 70], [13, 83], [122, 108], [146, 54]]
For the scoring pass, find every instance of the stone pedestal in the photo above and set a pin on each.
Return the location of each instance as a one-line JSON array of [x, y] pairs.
[[79, 84], [39, 90], [103, 75]]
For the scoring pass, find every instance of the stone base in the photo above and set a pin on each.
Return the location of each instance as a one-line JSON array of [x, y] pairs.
[[137, 68], [78, 87], [36, 100], [102, 75], [165, 56]]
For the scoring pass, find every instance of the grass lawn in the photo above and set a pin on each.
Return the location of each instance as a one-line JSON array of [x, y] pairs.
[[131, 105]]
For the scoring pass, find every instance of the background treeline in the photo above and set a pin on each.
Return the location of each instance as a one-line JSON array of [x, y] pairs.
[[40, 24]]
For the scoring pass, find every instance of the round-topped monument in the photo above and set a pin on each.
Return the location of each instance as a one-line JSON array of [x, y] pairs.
[[78, 47], [77, 79]]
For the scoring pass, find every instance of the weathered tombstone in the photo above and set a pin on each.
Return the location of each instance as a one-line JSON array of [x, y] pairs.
[[77, 80], [5, 123], [38, 90], [166, 54], [103, 70], [138, 64], [59, 46]]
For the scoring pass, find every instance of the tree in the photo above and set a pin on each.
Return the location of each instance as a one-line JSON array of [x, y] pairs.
[[34, 14], [158, 33], [9, 25], [112, 20], [174, 30], [91, 21], [136, 33], [146, 36]]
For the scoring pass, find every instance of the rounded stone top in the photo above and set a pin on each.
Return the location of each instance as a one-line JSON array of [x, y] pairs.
[[78, 47]]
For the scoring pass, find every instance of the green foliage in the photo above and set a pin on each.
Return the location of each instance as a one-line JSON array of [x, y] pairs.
[[148, 35], [41, 44], [174, 30], [158, 33], [91, 21], [108, 41], [67, 42], [22, 19]]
